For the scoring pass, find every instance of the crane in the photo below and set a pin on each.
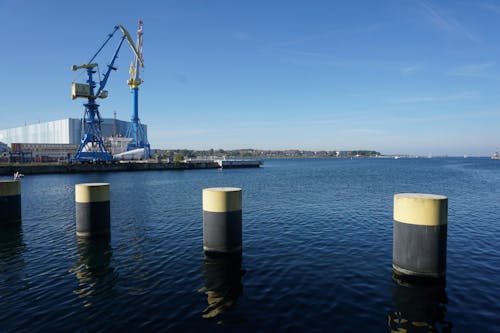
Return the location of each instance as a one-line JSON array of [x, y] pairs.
[[92, 147], [136, 131]]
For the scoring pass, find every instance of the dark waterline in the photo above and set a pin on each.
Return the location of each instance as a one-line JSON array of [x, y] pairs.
[[317, 252]]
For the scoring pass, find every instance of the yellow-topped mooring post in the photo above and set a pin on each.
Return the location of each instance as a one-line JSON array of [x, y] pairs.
[[10, 202], [222, 220], [419, 238], [92, 210]]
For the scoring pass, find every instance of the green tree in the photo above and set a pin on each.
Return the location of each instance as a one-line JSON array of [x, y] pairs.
[[178, 158]]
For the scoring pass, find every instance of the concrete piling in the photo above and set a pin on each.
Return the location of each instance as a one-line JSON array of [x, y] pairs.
[[222, 220], [419, 238], [92, 210], [10, 202]]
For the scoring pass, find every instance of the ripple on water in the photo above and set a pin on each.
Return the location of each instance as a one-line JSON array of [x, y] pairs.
[[317, 251]]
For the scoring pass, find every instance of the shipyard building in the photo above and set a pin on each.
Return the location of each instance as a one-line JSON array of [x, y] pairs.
[[56, 139], [67, 131]]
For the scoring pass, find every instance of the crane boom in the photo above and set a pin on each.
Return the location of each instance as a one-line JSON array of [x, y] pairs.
[[131, 43], [103, 82], [104, 44]]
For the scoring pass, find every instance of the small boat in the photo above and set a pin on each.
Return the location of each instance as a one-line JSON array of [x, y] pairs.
[[238, 163], [18, 175], [495, 156]]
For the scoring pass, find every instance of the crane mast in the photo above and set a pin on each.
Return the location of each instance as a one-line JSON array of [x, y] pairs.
[[136, 131]]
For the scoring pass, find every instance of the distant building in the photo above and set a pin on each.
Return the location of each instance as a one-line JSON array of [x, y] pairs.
[[3, 147], [4, 152], [64, 131], [42, 152]]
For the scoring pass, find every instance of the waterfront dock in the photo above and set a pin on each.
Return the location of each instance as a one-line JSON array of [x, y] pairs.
[[238, 163], [51, 168]]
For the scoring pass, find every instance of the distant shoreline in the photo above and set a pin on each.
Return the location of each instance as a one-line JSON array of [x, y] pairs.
[[260, 153], [289, 153]]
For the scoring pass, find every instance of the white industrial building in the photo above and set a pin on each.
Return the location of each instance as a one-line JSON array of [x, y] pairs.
[[64, 131]]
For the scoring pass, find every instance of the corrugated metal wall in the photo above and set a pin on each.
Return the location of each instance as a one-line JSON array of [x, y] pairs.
[[67, 130]]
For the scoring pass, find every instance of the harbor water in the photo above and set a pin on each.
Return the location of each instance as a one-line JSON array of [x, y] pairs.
[[317, 252]]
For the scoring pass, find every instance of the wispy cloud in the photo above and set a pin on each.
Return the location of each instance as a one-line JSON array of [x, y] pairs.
[[438, 19], [490, 7], [302, 50], [320, 36], [328, 34], [241, 36], [410, 69], [307, 58], [473, 70], [444, 22], [442, 98]]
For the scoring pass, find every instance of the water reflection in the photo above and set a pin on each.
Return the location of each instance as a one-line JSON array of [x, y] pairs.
[[222, 283], [93, 270], [418, 307], [11, 252]]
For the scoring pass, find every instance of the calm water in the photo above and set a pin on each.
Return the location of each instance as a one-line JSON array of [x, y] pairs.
[[317, 237]]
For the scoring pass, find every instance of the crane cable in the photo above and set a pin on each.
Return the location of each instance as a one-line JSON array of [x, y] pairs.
[[77, 76]]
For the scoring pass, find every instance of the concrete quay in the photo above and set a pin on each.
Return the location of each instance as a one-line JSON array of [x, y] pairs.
[[40, 168]]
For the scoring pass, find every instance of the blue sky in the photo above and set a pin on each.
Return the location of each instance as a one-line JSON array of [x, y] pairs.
[[414, 76]]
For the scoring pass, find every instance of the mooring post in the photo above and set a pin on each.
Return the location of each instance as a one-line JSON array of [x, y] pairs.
[[419, 238], [10, 202], [222, 220], [92, 210]]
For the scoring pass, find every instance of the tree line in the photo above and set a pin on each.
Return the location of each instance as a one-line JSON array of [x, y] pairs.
[[180, 154]]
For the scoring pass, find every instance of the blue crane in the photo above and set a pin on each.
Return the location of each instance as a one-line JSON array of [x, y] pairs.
[[136, 131], [91, 148]]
